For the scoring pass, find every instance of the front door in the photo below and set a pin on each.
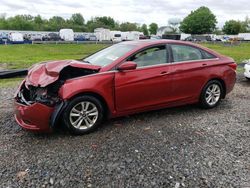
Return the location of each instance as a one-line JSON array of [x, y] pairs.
[[148, 85]]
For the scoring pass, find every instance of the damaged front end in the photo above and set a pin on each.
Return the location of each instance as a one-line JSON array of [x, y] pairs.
[[38, 105], [44, 95]]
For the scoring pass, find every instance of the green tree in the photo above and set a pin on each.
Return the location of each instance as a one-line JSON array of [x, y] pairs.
[[144, 29], [217, 31], [245, 28], [38, 23], [200, 21], [56, 23], [127, 26], [232, 27], [77, 19], [105, 22], [153, 27], [3, 22], [20, 22]]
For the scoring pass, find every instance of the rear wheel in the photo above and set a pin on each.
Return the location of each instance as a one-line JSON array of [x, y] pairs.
[[83, 114], [211, 94]]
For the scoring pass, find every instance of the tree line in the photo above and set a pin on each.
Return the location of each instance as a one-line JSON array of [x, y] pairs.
[[203, 21], [75, 22], [200, 21]]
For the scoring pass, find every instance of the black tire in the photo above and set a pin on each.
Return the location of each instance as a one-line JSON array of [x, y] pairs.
[[203, 97], [247, 78], [67, 119]]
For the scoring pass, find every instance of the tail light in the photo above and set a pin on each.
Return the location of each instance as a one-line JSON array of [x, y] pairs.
[[233, 66]]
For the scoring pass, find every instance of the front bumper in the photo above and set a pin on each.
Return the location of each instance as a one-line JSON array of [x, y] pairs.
[[35, 117], [247, 70]]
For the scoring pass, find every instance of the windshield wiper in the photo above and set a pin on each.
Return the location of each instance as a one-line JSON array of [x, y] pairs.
[[86, 61]]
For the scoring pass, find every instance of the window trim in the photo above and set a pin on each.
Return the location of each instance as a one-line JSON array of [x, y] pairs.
[[168, 59], [201, 51]]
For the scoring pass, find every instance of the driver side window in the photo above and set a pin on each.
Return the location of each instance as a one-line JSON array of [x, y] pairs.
[[150, 56]]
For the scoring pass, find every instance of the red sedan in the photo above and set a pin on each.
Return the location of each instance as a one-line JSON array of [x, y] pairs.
[[125, 78]]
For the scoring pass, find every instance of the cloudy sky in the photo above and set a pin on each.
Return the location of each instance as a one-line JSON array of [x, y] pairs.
[[140, 11]]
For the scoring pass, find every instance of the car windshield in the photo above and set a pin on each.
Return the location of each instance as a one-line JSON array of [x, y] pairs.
[[108, 55]]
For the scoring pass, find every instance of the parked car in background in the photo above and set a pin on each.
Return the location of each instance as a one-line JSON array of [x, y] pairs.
[[130, 35], [247, 70], [198, 38], [16, 37], [116, 36], [123, 79], [36, 37], [4, 36], [155, 37], [79, 37], [51, 37], [92, 38], [86, 36], [143, 37]]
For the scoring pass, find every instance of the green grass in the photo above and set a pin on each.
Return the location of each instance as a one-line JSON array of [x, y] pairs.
[[238, 53], [23, 56]]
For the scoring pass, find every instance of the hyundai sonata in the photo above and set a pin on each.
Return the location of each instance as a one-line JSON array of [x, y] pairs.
[[122, 79]]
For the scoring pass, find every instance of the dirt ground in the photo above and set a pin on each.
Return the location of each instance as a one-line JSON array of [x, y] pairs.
[[177, 147]]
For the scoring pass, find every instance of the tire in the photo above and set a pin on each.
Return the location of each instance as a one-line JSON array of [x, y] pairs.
[[83, 114], [211, 94], [247, 78]]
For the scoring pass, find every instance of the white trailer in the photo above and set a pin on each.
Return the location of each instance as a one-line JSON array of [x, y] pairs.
[[16, 37], [66, 34], [116, 36], [102, 34], [130, 35], [244, 36], [184, 36]]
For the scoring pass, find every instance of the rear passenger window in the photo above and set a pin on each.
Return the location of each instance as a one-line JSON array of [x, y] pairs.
[[185, 53], [208, 55]]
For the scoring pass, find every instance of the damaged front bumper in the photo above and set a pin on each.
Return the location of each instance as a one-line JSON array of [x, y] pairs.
[[37, 115]]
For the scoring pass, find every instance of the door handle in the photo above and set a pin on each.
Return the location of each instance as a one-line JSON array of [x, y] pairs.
[[164, 73], [204, 64]]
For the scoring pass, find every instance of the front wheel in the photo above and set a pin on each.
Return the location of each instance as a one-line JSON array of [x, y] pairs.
[[211, 94], [83, 114]]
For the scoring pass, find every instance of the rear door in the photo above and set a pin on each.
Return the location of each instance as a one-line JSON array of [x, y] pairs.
[[189, 71], [147, 85]]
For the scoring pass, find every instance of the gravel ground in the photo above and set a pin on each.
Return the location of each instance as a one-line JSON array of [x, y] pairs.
[[178, 147]]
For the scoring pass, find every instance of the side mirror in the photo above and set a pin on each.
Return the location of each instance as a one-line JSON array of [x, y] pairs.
[[128, 65]]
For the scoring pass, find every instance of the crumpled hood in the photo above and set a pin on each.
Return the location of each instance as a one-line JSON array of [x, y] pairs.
[[46, 73]]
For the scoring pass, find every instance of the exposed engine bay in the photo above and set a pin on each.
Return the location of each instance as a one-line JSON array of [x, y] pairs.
[[49, 95]]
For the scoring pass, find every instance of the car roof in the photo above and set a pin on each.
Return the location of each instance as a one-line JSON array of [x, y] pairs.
[[141, 43], [148, 42]]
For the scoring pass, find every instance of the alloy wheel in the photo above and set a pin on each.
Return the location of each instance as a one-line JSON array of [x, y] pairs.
[[83, 115], [213, 94]]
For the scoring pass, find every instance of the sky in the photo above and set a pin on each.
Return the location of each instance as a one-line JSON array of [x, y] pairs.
[[139, 11]]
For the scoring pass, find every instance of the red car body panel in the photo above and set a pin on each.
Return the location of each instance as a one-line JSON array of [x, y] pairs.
[[100, 84], [128, 92], [34, 118]]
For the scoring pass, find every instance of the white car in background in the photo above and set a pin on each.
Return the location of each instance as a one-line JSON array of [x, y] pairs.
[[247, 70]]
